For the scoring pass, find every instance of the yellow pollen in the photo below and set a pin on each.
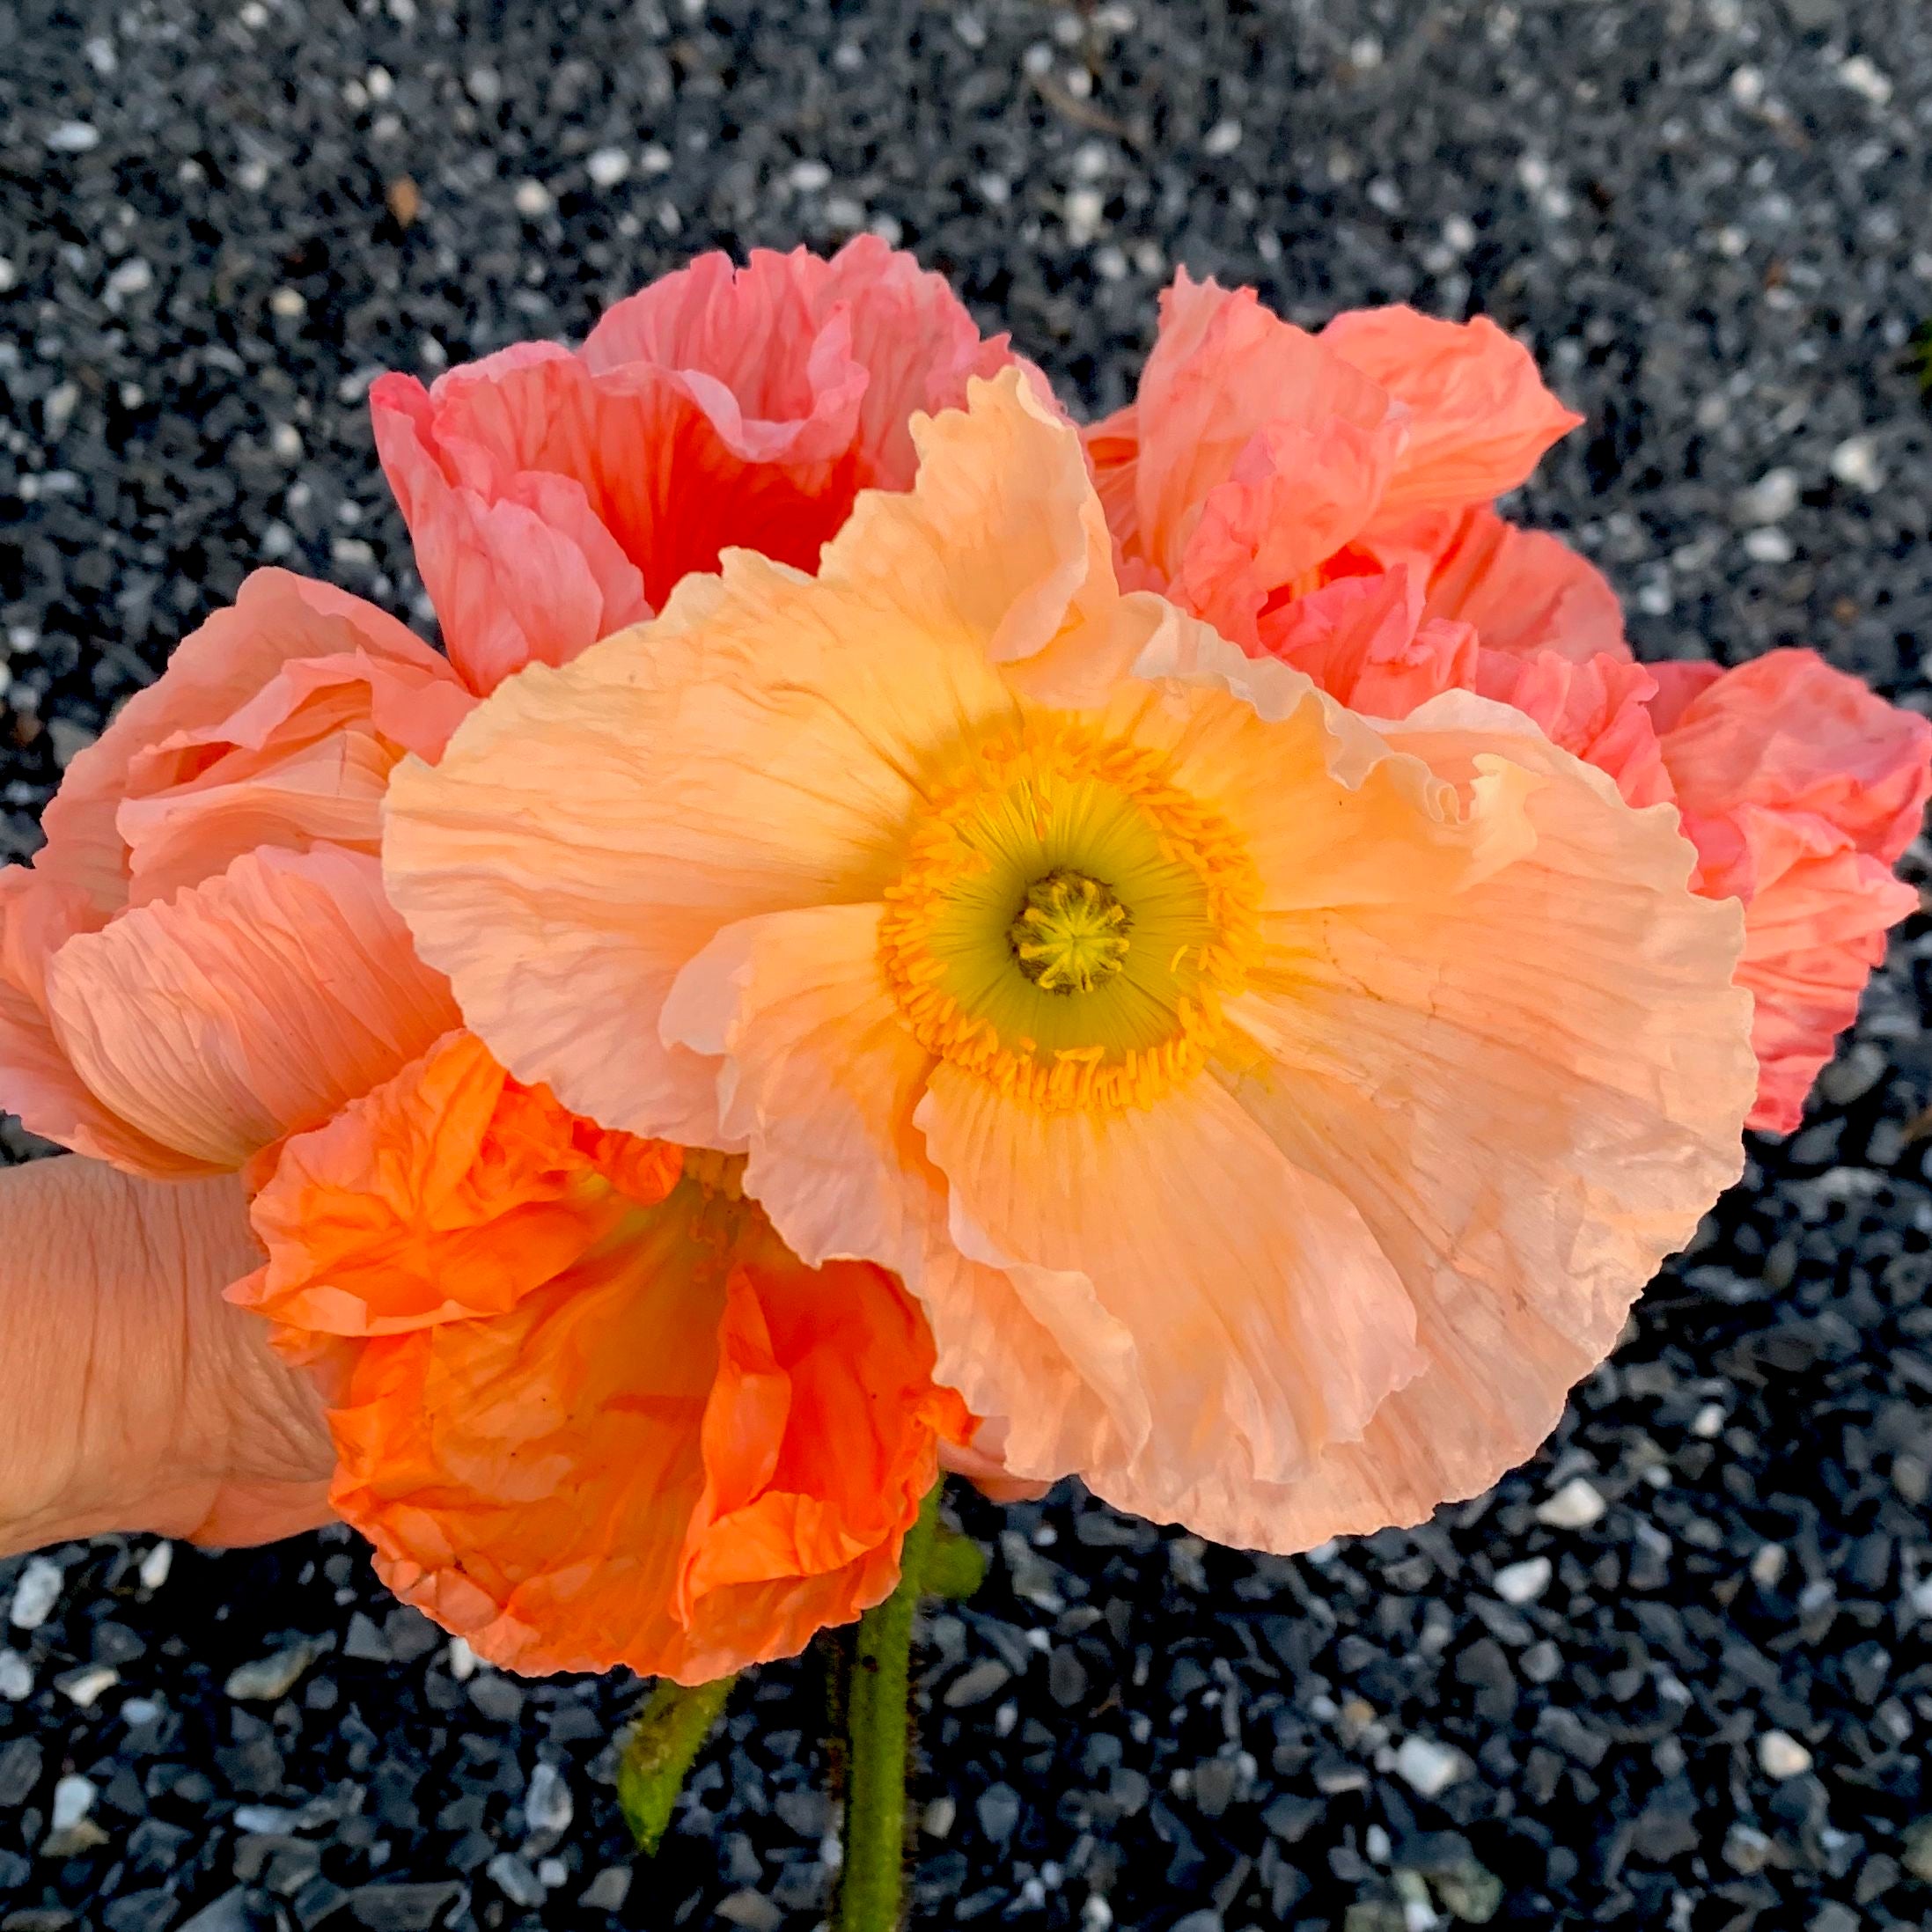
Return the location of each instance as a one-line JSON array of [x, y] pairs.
[[1070, 935]]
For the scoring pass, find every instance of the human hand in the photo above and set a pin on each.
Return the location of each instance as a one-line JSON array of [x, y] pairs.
[[132, 1396]]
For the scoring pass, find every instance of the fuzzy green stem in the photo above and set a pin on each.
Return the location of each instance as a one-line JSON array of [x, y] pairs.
[[658, 1750], [878, 1720]]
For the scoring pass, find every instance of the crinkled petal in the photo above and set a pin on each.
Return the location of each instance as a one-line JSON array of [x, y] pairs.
[[1361, 640], [517, 575], [304, 762], [554, 498], [38, 915], [1479, 418], [824, 1385], [1813, 932], [1233, 1309], [1788, 733], [1530, 1088], [1521, 588], [1368, 825], [1222, 370], [231, 668], [583, 1481], [818, 1078], [1296, 495], [447, 1192], [247, 1008], [1597, 708]]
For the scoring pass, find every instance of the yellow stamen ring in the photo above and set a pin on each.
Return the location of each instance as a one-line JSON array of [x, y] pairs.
[[1069, 921]]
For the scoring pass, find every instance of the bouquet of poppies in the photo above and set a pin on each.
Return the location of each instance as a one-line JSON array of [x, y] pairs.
[[902, 932]]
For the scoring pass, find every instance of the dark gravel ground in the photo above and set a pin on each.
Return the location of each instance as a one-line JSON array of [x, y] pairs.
[[1675, 1674]]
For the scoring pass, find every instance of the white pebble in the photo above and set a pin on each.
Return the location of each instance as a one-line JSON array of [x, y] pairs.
[[1222, 138], [83, 1690], [1709, 1421], [288, 304], [462, 1660], [1428, 1767], [1767, 1565], [532, 200], [1086, 209], [36, 1595], [515, 1880], [270, 1677], [1771, 499], [546, 1802], [133, 276], [1771, 545], [1576, 1506], [1781, 1756], [608, 167], [938, 1819], [552, 1872], [16, 1676], [809, 177], [1863, 75], [1096, 1914], [1524, 1583], [73, 1800], [156, 1565], [10, 276], [73, 137], [1855, 462]]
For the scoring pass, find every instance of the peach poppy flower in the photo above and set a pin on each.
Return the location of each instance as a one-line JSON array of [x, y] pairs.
[[1259, 465], [554, 497], [201, 957], [589, 1408], [1273, 1115]]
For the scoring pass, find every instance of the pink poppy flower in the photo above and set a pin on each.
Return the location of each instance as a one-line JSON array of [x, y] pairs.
[[555, 496]]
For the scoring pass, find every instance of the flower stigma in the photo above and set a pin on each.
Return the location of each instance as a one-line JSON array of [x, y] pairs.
[[1072, 933]]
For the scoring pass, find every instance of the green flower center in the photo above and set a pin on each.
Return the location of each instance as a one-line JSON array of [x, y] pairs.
[[1070, 934]]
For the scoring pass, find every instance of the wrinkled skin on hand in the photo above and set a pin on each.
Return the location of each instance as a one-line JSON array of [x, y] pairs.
[[137, 1398]]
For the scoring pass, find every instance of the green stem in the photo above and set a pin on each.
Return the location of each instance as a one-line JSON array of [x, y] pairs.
[[873, 1879], [658, 1750]]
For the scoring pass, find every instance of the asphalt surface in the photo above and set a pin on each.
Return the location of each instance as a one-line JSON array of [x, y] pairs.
[[1694, 1694]]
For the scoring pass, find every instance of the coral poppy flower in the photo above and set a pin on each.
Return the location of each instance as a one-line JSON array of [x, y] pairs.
[[589, 1408], [1274, 1116], [1259, 465], [1801, 790], [554, 497], [201, 957]]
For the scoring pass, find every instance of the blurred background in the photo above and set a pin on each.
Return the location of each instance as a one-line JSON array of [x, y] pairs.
[[1675, 1674]]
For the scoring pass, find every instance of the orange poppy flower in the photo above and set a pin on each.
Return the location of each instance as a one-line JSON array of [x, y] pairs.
[[589, 1409]]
